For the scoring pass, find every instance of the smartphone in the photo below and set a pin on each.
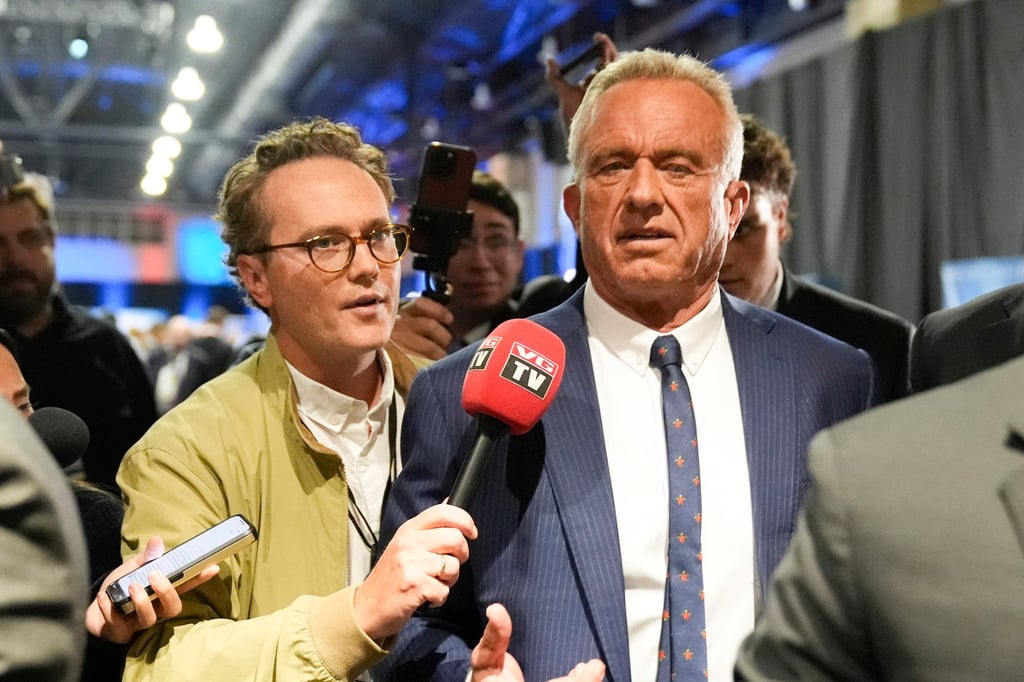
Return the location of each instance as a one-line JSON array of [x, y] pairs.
[[187, 560], [445, 181], [591, 54]]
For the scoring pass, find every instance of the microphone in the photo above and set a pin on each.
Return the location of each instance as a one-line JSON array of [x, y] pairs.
[[512, 379], [63, 433]]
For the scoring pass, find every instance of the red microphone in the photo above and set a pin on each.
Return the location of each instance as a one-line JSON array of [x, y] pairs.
[[512, 379]]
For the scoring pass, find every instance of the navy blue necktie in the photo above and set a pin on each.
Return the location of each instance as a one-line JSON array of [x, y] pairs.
[[682, 654]]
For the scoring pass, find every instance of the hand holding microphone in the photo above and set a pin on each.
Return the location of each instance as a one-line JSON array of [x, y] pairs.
[[512, 379]]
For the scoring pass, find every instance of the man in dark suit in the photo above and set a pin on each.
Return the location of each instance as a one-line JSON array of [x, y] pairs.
[[573, 515], [908, 561], [754, 272], [954, 343]]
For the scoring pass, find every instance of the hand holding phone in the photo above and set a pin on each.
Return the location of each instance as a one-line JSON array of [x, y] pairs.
[[186, 560]]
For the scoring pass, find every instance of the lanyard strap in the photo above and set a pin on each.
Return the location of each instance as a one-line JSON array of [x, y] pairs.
[[362, 525]]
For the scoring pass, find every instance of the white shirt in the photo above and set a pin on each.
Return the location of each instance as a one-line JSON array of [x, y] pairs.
[[359, 434], [629, 396]]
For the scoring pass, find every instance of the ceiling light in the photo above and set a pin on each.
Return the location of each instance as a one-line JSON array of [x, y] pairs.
[[167, 147], [153, 185], [188, 86], [160, 166], [204, 36], [78, 48], [482, 98], [176, 119]]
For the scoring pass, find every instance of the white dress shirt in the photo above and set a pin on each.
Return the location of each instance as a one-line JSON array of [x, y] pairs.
[[629, 396], [359, 434]]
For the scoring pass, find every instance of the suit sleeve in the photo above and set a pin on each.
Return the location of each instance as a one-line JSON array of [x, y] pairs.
[[813, 627], [436, 643]]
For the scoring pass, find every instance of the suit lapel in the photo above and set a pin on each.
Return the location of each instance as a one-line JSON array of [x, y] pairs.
[[768, 399], [1011, 491], [577, 465]]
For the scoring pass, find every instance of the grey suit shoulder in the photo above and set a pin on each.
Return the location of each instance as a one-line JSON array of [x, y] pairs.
[[42, 561], [908, 560]]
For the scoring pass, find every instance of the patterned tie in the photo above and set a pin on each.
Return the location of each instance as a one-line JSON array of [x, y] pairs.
[[682, 654]]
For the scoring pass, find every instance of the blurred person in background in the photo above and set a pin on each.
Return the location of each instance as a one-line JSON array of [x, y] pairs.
[[70, 358], [184, 361], [484, 275]]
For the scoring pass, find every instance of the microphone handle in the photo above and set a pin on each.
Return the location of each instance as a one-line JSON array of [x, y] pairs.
[[471, 474]]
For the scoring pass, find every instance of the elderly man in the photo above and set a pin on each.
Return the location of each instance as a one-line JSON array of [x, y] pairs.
[[582, 518]]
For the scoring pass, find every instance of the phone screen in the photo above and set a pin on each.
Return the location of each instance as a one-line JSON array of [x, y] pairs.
[[187, 559]]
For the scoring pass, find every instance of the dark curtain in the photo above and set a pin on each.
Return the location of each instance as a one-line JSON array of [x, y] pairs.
[[909, 145]]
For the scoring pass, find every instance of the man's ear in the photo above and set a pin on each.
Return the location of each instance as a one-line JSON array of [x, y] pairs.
[[737, 197], [571, 205], [252, 271], [781, 210]]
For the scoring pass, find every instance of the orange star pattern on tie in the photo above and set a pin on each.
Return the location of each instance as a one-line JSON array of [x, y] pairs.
[[682, 653]]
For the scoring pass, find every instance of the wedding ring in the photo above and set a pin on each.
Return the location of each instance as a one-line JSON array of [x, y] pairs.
[[444, 564]]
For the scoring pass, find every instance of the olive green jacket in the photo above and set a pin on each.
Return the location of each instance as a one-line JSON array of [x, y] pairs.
[[237, 446]]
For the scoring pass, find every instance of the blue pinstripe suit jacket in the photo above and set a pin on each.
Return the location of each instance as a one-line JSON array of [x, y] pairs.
[[548, 547]]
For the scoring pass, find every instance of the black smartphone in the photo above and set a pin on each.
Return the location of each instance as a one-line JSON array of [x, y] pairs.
[[445, 180], [592, 54], [187, 560]]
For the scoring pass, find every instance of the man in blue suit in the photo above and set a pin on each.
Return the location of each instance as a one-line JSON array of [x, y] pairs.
[[573, 516]]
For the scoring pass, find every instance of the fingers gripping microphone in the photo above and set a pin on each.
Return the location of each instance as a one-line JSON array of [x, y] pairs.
[[512, 378], [63, 433]]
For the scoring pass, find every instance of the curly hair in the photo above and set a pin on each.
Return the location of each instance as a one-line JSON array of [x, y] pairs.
[[767, 164], [241, 208]]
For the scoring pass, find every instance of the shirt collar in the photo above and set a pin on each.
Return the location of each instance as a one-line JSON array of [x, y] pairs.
[[631, 341], [771, 297], [333, 410]]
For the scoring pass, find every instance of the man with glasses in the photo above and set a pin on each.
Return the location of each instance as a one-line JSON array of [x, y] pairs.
[[484, 274], [71, 359], [301, 438]]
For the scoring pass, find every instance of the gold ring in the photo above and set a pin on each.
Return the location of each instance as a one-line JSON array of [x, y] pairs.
[[444, 564]]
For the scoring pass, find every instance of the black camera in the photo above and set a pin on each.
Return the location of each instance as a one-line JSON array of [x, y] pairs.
[[439, 217]]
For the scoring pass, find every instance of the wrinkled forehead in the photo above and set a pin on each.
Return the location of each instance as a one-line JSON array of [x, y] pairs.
[[655, 116]]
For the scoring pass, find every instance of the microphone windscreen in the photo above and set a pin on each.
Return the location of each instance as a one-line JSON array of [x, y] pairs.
[[63, 433], [514, 374]]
